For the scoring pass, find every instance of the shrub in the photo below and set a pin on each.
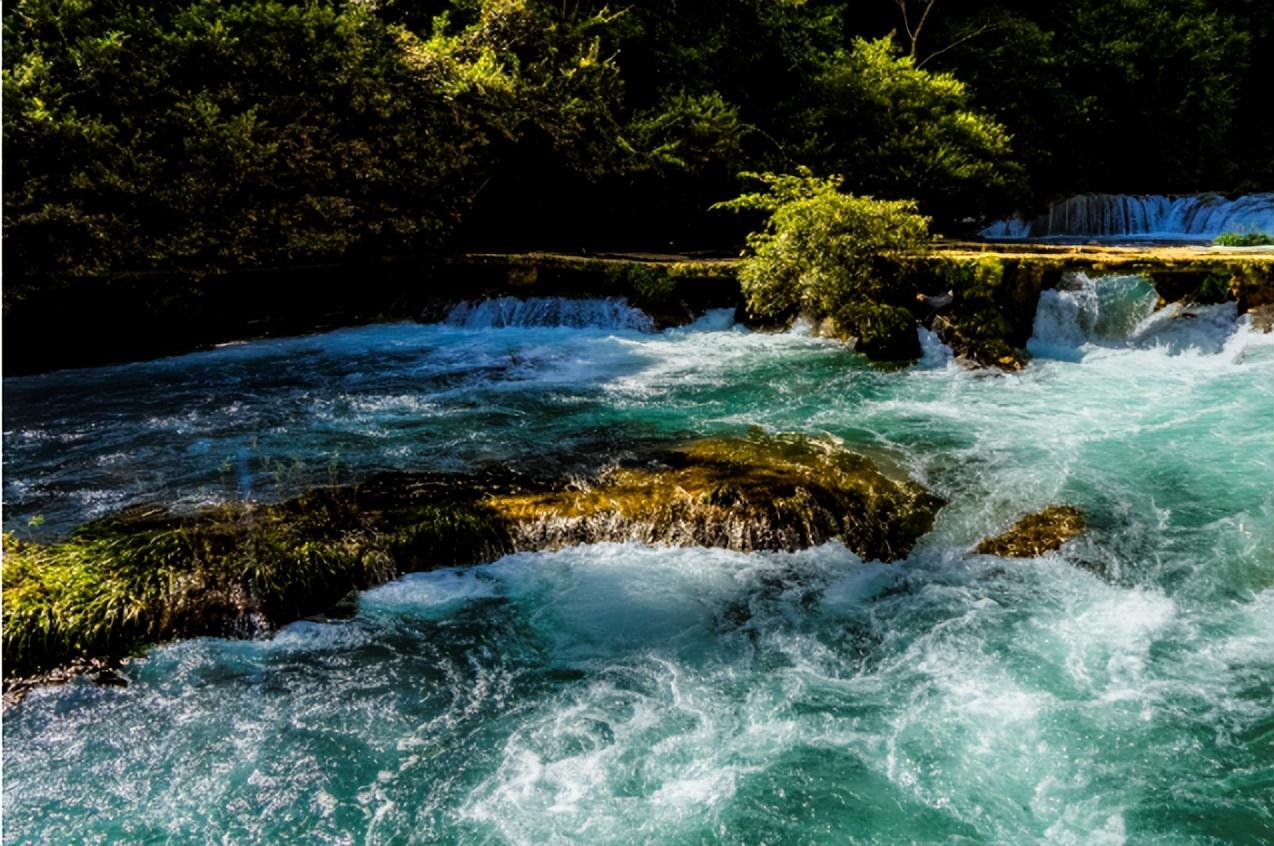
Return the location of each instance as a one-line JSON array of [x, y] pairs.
[[1244, 239], [832, 255]]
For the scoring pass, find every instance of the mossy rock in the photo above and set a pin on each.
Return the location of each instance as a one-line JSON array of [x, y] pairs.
[[881, 332], [980, 339], [993, 305], [784, 492], [146, 575], [1036, 534]]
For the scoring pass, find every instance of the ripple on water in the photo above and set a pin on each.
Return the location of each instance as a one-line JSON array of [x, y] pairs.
[[627, 694]]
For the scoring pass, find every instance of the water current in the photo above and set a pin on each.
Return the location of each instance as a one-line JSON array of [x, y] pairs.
[[1120, 690]]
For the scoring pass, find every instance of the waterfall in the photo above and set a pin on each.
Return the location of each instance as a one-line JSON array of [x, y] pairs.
[[1119, 311], [1194, 217], [500, 312]]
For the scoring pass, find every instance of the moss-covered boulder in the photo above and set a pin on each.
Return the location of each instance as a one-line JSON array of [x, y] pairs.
[[784, 492], [1036, 534], [992, 310], [147, 575]]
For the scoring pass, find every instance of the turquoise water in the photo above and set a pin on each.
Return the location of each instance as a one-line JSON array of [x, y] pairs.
[[1119, 691]]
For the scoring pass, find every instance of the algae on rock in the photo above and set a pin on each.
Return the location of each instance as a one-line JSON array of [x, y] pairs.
[[1036, 534], [239, 570], [762, 492]]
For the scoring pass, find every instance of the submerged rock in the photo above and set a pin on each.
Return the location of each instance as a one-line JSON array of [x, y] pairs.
[[1035, 534], [240, 570]]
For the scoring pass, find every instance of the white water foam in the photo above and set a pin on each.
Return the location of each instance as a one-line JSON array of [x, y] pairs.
[[598, 313], [934, 354], [1087, 312]]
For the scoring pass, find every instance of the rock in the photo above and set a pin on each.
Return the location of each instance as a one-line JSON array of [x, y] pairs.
[[1036, 533], [991, 313], [241, 570], [784, 492], [1262, 317], [881, 332]]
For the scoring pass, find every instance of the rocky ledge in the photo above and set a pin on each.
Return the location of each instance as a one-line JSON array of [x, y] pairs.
[[147, 575]]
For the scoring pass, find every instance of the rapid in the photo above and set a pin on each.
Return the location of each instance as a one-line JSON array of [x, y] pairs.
[[1120, 690]]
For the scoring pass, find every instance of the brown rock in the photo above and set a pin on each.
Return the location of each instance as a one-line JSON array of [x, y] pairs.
[[1262, 317], [1036, 533], [762, 492]]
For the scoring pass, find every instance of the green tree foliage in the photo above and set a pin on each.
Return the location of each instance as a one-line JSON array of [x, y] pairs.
[[832, 255], [192, 136], [899, 131], [202, 136], [196, 136], [1119, 95]]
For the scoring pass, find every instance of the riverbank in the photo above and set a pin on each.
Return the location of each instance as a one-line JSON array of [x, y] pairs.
[[137, 318]]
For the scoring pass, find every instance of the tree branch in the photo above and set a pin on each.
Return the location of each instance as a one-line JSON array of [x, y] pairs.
[[982, 30]]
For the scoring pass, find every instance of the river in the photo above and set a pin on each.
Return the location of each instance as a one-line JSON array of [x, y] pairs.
[[1120, 690]]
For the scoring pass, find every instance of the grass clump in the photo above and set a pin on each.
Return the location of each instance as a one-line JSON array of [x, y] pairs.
[[1243, 239], [146, 575], [95, 594]]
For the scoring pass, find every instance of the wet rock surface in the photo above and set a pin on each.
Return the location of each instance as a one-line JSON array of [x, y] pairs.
[[743, 494], [1036, 534], [1263, 317], [148, 575]]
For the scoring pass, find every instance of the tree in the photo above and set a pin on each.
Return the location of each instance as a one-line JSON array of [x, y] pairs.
[[832, 255], [900, 132], [197, 136]]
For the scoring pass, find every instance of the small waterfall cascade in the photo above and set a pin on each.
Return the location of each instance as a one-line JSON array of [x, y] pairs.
[[597, 313], [1194, 217], [1119, 311]]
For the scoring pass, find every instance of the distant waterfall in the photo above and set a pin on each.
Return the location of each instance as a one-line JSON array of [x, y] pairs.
[[500, 312], [1195, 217]]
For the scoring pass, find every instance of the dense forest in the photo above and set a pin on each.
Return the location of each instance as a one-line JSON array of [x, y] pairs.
[[196, 136]]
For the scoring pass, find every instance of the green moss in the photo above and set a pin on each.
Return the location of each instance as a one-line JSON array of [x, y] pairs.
[[979, 326], [1252, 285], [882, 332], [651, 284], [1214, 288]]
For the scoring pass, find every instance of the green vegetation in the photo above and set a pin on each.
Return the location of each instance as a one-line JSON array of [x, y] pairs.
[[191, 137], [834, 256], [146, 575], [899, 131], [986, 296], [197, 137], [1245, 239]]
